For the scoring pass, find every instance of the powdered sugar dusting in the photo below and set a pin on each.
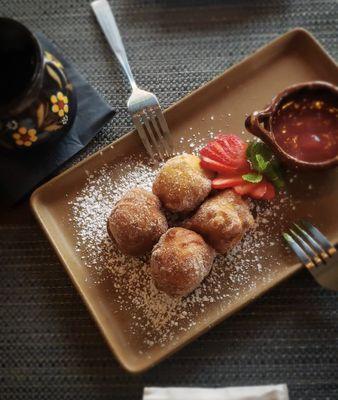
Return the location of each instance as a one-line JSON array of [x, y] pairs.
[[153, 315]]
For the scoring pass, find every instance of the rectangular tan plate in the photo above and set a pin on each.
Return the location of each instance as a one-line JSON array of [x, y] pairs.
[[219, 105]]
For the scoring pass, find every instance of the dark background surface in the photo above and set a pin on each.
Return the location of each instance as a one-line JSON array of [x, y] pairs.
[[49, 345]]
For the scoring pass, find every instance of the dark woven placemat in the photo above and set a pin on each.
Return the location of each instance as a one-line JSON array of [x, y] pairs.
[[49, 346]]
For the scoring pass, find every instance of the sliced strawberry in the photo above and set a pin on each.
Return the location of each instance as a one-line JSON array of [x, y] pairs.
[[259, 190], [222, 182], [228, 150], [262, 190], [270, 192], [234, 149], [208, 163], [231, 142], [244, 167], [215, 151], [244, 189]]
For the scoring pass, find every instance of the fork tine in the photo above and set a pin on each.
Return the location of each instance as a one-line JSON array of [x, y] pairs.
[[151, 134], [298, 251], [312, 241], [165, 147], [308, 249], [143, 136], [163, 141], [324, 242], [164, 126]]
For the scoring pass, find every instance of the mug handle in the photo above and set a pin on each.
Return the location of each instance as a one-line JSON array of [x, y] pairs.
[[256, 122]]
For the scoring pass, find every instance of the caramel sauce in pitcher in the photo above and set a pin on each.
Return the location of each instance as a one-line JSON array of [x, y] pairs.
[[306, 126]]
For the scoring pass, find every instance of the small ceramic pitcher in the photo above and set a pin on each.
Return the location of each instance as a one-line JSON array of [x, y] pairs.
[[311, 97], [37, 101]]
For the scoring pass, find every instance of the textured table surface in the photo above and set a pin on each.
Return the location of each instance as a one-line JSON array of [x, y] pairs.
[[49, 345]]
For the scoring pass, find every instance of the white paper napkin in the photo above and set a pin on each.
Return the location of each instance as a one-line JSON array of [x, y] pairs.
[[271, 392]]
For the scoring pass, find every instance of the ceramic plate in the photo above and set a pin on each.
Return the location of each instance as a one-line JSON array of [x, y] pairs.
[[141, 325]]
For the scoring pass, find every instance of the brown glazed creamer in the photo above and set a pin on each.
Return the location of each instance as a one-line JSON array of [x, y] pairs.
[[301, 125]]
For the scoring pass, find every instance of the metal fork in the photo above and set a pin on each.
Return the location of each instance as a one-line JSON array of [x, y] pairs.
[[316, 252], [143, 106]]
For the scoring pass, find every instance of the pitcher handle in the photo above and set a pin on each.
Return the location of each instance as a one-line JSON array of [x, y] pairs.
[[256, 124]]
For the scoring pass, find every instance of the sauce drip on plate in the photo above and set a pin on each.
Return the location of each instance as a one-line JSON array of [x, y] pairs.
[[306, 125]]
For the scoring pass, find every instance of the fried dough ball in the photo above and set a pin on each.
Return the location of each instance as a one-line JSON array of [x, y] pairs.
[[180, 261], [137, 222], [182, 184], [222, 220]]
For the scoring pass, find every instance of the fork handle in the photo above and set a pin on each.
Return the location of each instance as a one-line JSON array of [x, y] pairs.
[[109, 27]]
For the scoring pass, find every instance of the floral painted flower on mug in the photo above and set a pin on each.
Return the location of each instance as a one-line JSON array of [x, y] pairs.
[[59, 104], [24, 136]]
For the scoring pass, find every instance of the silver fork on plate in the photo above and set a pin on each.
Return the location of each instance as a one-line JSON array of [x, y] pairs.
[[315, 252], [143, 106]]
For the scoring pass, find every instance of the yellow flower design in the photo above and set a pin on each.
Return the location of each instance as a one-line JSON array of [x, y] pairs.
[[52, 59], [25, 137], [59, 104]]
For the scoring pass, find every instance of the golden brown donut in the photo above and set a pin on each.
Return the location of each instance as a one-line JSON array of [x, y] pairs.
[[222, 220], [137, 222], [180, 261], [182, 184]]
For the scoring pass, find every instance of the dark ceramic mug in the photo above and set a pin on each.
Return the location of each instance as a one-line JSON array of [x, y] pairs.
[[300, 99], [37, 101]]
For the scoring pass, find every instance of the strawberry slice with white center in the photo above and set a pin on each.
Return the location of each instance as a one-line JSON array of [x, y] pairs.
[[213, 165], [223, 182]]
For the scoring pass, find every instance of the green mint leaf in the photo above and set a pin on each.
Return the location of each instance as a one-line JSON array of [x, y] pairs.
[[261, 163], [253, 178], [258, 147], [274, 175], [264, 162], [258, 154]]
